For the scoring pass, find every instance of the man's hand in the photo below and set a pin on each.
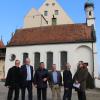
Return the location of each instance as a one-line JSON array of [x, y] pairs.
[[35, 86], [8, 86], [45, 79], [76, 82], [66, 88]]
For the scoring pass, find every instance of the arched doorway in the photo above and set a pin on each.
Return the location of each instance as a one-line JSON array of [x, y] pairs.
[[84, 53]]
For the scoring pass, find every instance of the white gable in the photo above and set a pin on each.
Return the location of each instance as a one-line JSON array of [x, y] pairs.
[[34, 19], [51, 7]]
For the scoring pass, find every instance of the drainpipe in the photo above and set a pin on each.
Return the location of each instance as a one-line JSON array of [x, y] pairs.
[[94, 39], [93, 65]]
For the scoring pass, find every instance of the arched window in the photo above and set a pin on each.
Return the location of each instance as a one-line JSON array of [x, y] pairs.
[[63, 59], [90, 13], [49, 60], [36, 60], [25, 55]]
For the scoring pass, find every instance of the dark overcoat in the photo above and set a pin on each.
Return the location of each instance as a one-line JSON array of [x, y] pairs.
[[13, 78], [40, 74], [81, 76]]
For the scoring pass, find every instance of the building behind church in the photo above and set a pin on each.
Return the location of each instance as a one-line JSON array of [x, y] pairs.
[[2, 59], [49, 35]]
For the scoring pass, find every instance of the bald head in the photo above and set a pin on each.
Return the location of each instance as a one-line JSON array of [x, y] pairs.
[[27, 61], [17, 63]]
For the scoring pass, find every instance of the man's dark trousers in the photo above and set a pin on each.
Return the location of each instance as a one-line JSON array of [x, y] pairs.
[[81, 95], [10, 93], [67, 94], [42, 91], [28, 86]]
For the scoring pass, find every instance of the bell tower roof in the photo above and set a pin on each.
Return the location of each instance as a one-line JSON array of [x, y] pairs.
[[89, 3]]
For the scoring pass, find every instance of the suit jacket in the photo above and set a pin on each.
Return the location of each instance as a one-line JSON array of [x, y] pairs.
[[40, 74], [67, 79], [13, 78], [59, 78], [24, 74], [81, 76]]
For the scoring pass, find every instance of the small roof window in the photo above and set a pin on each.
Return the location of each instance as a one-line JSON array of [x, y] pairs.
[[53, 4], [47, 4], [56, 12], [45, 13]]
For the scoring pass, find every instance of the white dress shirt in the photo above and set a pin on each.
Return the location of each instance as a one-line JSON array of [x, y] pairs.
[[28, 72]]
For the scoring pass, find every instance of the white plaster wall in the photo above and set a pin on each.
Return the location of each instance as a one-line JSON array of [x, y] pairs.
[[43, 49], [34, 19], [76, 52], [91, 22], [62, 17], [96, 68]]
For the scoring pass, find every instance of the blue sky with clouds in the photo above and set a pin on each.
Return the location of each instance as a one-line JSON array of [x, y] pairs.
[[12, 13]]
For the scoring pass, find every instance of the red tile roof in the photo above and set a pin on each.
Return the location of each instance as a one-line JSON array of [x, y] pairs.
[[2, 44], [52, 34]]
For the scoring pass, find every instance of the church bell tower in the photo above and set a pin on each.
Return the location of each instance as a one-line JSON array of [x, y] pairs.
[[89, 10]]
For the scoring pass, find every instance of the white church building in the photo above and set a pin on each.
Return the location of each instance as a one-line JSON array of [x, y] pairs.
[[50, 36]]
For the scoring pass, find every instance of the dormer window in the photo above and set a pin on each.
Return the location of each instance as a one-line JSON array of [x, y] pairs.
[[56, 12], [47, 4], [45, 13], [53, 4]]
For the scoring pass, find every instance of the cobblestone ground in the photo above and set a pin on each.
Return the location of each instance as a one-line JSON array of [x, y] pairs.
[[91, 94]]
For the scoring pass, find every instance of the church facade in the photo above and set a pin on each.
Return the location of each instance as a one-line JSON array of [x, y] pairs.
[[51, 40]]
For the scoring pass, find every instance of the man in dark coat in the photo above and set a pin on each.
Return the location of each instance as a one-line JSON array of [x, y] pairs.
[[13, 80], [55, 81], [27, 79], [80, 78], [68, 82], [40, 81]]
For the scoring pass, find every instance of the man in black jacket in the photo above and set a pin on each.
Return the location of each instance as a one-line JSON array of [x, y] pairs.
[[68, 82], [13, 81], [27, 79], [40, 81]]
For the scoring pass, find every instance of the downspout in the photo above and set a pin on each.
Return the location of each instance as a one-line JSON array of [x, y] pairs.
[[93, 39], [93, 65]]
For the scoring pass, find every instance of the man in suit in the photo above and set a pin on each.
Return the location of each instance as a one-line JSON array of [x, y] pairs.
[[13, 81], [55, 81], [80, 78], [68, 82], [27, 79], [40, 81]]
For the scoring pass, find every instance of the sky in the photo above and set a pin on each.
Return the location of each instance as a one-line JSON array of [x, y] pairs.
[[12, 13]]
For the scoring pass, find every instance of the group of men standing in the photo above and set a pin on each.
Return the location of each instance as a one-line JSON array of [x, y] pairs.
[[22, 78]]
